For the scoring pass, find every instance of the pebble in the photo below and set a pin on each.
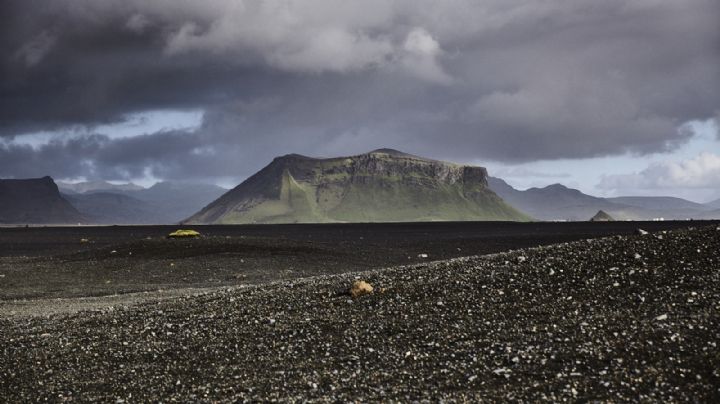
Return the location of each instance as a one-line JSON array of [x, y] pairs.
[[360, 288]]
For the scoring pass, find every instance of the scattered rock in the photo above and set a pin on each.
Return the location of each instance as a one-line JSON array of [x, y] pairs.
[[184, 234], [502, 372], [423, 255], [360, 288], [602, 216], [641, 232], [580, 333]]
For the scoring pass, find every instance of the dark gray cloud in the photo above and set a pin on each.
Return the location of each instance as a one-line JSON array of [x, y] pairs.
[[458, 79]]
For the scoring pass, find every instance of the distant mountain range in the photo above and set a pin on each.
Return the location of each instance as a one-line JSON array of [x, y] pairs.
[[96, 186], [116, 208], [558, 202], [714, 204], [35, 201], [381, 186], [163, 203]]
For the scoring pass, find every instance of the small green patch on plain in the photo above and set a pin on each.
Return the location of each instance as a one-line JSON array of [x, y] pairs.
[[184, 234]]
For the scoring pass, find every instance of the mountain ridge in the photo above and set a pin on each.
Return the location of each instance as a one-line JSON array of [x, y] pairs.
[[559, 202], [713, 204], [381, 185], [96, 186], [35, 201], [166, 202]]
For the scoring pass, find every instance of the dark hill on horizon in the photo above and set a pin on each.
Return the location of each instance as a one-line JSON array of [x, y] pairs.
[[384, 185], [35, 201]]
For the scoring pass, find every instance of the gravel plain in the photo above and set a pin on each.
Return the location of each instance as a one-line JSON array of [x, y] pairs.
[[623, 318], [41, 264]]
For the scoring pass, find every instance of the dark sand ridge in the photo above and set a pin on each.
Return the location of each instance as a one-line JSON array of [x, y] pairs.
[[621, 318]]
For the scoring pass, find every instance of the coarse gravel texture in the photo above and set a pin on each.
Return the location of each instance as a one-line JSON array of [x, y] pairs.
[[625, 318], [41, 264]]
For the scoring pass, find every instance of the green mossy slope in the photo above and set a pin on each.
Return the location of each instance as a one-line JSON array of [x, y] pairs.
[[380, 186]]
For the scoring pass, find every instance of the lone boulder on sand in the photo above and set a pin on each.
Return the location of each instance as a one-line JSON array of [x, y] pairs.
[[360, 288], [602, 216]]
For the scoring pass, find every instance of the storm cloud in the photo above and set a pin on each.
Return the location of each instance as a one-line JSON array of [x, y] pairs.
[[502, 80]]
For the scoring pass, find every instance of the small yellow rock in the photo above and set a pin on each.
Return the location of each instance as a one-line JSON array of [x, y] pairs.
[[184, 234], [360, 288]]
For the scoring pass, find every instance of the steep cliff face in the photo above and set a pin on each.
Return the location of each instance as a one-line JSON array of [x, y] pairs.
[[35, 201], [383, 185]]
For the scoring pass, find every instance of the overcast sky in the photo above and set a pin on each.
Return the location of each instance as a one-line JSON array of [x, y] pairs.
[[613, 97]]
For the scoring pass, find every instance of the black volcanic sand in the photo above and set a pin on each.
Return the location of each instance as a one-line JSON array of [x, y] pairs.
[[53, 262], [624, 318]]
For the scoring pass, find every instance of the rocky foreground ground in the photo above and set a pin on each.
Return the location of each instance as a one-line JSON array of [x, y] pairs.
[[626, 318]]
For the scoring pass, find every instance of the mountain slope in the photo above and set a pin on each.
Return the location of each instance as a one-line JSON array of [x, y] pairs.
[[383, 185], [714, 204], [35, 201], [554, 202], [178, 200], [163, 203], [558, 202], [115, 208]]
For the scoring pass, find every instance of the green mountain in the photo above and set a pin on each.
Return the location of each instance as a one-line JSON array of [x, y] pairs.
[[381, 186]]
